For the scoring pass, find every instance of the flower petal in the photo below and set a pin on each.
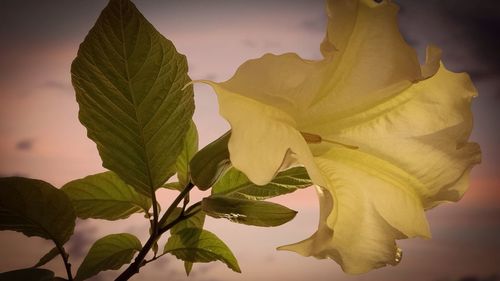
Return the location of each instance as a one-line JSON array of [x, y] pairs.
[[364, 225], [285, 81], [369, 64], [432, 61], [424, 130], [261, 137], [367, 54]]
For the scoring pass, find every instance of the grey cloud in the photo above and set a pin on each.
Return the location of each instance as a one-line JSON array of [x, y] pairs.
[[493, 277], [25, 144], [260, 44], [249, 43], [81, 240], [211, 76], [480, 24], [467, 31], [315, 25], [57, 85]]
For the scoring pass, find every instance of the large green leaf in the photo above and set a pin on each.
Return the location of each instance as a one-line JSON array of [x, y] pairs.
[[198, 245], [129, 84], [189, 149], [27, 274], [251, 212], [109, 252], [235, 184], [54, 252], [210, 162], [36, 208], [105, 196]]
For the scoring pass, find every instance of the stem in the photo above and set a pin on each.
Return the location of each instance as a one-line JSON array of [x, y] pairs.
[[155, 214], [139, 261], [67, 265], [134, 267], [172, 224], [176, 202]]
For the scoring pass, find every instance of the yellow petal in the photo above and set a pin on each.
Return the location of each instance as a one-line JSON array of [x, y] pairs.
[[424, 130], [432, 61], [367, 54], [261, 137], [285, 81], [373, 206]]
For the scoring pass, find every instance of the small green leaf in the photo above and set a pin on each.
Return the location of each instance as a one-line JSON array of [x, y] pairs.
[[189, 149], [196, 221], [48, 257], [188, 266], [235, 184], [198, 245], [36, 208], [210, 162], [27, 274], [109, 252], [129, 82], [105, 196], [250, 212]]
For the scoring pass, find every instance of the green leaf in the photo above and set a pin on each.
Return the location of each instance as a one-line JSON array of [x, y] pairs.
[[250, 212], [196, 221], [235, 184], [36, 208], [210, 162], [27, 274], [109, 252], [189, 149], [188, 266], [48, 257], [129, 83], [198, 245], [105, 196]]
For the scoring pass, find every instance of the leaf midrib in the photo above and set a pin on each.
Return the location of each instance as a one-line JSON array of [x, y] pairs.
[[249, 184], [139, 121]]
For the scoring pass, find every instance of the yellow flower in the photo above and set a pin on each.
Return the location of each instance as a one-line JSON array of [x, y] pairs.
[[410, 124]]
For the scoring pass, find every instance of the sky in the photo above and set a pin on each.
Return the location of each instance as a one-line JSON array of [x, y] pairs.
[[42, 138]]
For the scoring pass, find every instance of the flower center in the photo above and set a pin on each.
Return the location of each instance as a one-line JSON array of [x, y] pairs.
[[313, 138]]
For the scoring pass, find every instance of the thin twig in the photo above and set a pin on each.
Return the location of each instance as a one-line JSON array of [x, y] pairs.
[[155, 214], [176, 202], [139, 261], [67, 265]]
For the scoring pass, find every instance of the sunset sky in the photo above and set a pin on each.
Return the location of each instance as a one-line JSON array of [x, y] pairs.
[[42, 138]]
